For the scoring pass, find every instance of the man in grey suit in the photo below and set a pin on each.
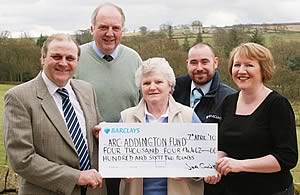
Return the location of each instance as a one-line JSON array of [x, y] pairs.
[[39, 136]]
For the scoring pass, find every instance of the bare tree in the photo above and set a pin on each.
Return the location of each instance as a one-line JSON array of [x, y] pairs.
[[186, 43], [168, 29], [83, 36]]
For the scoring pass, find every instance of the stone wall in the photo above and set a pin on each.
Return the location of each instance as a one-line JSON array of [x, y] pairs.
[[8, 181]]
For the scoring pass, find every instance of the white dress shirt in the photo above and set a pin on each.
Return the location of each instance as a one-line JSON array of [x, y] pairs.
[[58, 100]]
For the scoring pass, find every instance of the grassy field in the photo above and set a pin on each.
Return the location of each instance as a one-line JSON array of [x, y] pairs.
[[287, 36], [4, 88], [268, 37], [296, 170]]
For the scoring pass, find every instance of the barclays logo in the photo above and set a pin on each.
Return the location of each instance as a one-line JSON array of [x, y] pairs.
[[123, 130], [107, 130]]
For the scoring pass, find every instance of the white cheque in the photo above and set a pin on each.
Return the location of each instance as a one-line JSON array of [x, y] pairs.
[[157, 150]]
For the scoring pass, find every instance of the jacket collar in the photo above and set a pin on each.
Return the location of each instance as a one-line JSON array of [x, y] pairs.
[[140, 109], [214, 85], [213, 88], [50, 108]]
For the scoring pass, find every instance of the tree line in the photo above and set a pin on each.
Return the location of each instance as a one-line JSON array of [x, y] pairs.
[[20, 58]]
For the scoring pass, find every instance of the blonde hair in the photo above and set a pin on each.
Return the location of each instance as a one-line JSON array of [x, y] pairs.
[[155, 65], [257, 52]]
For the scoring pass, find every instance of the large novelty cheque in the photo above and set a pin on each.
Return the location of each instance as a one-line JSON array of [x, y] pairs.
[[129, 150]]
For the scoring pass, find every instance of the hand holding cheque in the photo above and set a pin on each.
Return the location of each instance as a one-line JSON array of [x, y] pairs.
[[157, 150]]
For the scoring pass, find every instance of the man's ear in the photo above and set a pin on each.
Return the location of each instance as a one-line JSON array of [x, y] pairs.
[[92, 29], [216, 62], [187, 62], [42, 59]]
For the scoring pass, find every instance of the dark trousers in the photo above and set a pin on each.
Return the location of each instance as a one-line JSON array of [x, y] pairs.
[[288, 191], [214, 189], [112, 185], [83, 190]]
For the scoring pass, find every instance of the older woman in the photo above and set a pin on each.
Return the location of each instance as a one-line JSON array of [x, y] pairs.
[[156, 80], [257, 134]]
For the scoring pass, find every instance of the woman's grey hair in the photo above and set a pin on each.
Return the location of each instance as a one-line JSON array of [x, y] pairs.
[[156, 64]]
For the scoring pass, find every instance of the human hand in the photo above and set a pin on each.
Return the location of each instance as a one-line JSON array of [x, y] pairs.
[[177, 178], [128, 179], [91, 178], [213, 179], [96, 130], [226, 165]]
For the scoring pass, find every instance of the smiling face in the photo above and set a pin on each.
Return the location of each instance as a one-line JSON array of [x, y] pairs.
[[246, 73], [201, 64], [155, 88], [60, 61], [107, 29]]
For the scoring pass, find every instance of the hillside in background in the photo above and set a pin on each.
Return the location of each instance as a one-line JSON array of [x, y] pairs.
[[196, 26], [19, 60]]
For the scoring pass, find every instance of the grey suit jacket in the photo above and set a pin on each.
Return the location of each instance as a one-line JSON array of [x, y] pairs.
[[37, 141]]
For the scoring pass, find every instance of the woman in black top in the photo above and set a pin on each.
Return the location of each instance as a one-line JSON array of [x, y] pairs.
[[257, 136]]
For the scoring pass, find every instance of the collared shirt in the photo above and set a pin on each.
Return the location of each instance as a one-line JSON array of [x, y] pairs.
[[205, 89], [150, 118], [114, 54], [158, 186], [58, 100], [155, 186]]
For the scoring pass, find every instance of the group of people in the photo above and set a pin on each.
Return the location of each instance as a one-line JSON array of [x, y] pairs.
[[50, 131]]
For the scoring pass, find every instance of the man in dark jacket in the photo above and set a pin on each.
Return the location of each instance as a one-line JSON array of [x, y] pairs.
[[202, 90], [202, 75]]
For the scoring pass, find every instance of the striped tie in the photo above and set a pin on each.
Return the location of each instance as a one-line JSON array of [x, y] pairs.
[[74, 130]]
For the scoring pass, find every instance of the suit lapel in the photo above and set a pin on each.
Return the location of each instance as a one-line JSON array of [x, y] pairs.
[[84, 101], [50, 108]]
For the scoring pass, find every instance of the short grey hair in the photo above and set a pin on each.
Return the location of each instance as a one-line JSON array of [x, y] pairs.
[[155, 65], [95, 12]]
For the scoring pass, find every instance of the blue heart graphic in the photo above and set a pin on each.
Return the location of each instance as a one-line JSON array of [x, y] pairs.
[[106, 130]]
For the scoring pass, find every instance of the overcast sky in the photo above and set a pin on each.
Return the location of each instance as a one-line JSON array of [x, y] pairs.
[[50, 16]]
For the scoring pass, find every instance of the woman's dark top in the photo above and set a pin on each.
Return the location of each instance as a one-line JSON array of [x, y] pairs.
[[270, 129]]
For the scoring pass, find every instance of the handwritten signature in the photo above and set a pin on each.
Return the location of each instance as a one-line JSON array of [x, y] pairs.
[[200, 165]]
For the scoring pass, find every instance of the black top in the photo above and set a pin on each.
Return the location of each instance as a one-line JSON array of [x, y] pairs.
[[270, 129]]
